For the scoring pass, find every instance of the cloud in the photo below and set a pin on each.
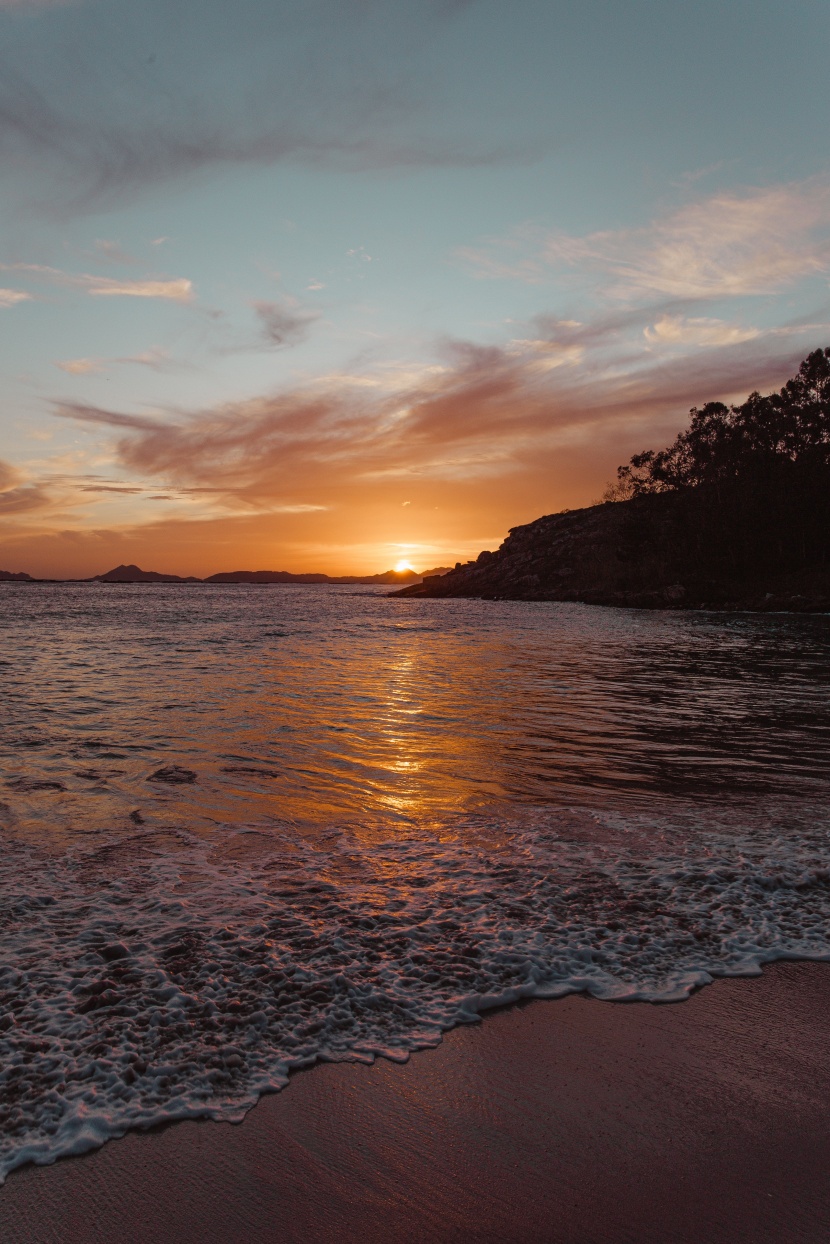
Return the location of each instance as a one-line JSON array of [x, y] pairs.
[[111, 252], [177, 290], [157, 359], [17, 497], [92, 414], [728, 245], [698, 331], [173, 289], [119, 104], [9, 476], [79, 367], [285, 323], [25, 500], [482, 413], [11, 297]]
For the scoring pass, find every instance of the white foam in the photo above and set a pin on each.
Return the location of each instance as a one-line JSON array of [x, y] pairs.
[[139, 985]]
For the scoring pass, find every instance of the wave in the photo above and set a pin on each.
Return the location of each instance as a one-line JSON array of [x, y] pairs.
[[161, 976]]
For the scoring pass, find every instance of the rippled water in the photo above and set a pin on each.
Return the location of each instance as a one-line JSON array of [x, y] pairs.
[[246, 827]]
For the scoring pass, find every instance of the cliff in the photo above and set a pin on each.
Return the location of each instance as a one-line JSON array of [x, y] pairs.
[[652, 551]]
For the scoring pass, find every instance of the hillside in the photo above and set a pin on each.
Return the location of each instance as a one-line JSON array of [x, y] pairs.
[[627, 554], [134, 574]]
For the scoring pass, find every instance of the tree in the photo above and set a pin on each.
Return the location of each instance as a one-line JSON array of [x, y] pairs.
[[757, 438]]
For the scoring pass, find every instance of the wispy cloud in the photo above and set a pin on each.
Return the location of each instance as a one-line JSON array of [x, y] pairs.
[[9, 476], [172, 289], [79, 367], [11, 297], [156, 359], [727, 245], [17, 496], [698, 331], [177, 290], [111, 252], [482, 413], [327, 92], [285, 323]]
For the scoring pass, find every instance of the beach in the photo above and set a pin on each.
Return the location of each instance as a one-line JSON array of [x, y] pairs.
[[572, 1120], [249, 841]]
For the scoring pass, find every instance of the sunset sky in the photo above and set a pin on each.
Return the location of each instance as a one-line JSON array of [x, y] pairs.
[[328, 284]]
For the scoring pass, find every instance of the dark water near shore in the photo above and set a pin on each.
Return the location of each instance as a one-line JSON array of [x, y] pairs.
[[388, 816]]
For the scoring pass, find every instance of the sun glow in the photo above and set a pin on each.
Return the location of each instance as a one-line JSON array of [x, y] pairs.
[[401, 566]]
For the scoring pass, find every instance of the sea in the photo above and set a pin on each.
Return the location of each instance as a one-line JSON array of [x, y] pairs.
[[245, 828]]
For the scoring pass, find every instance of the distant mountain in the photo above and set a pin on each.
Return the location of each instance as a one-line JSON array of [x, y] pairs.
[[391, 576], [134, 574], [286, 576], [265, 576]]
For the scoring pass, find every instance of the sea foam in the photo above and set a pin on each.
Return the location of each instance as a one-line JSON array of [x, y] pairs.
[[155, 978]]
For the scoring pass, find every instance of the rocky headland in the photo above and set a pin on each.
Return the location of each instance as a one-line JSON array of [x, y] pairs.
[[624, 554], [735, 514]]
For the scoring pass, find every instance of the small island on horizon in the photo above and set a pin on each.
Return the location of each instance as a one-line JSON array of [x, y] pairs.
[[134, 574]]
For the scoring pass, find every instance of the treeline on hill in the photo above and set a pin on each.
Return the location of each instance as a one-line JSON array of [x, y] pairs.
[[749, 485]]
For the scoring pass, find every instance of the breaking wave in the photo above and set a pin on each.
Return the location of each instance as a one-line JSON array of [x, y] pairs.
[[159, 977]]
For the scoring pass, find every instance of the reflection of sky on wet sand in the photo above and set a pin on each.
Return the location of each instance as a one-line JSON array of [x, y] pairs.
[[312, 707]]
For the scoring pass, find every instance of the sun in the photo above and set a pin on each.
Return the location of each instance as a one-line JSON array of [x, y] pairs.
[[402, 566]]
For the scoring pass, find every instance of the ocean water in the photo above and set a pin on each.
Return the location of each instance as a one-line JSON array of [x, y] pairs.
[[245, 828]]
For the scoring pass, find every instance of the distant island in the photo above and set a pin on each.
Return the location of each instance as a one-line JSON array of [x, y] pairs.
[[735, 514], [134, 574]]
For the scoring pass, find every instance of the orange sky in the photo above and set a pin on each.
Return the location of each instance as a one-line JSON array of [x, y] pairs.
[[430, 467], [327, 286]]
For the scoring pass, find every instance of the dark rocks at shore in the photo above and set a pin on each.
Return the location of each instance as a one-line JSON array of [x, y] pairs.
[[644, 553]]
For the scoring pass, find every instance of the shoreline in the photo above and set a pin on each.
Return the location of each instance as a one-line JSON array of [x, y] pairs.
[[778, 607], [569, 1120]]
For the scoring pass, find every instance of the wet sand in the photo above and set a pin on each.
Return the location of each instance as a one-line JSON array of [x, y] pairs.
[[574, 1121]]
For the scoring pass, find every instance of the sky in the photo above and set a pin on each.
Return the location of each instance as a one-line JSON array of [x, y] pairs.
[[330, 285]]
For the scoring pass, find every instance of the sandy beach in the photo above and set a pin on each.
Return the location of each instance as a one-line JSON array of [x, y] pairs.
[[572, 1121]]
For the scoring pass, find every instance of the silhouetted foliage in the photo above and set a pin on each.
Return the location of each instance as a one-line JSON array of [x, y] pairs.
[[744, 491], [724, 442]]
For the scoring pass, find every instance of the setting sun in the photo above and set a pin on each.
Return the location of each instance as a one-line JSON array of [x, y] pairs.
[[401, 566]]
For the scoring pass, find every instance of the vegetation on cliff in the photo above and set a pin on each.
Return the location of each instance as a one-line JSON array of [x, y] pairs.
[[736, 512]]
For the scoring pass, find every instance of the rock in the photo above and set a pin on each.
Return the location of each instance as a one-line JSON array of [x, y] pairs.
[[652, 552]]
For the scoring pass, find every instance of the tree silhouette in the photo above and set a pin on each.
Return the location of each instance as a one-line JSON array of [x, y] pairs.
[[743, 493], [723, 443]]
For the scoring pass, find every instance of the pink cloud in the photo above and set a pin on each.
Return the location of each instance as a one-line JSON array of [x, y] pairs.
[[175, 289], [731, 244], [485, 413]]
